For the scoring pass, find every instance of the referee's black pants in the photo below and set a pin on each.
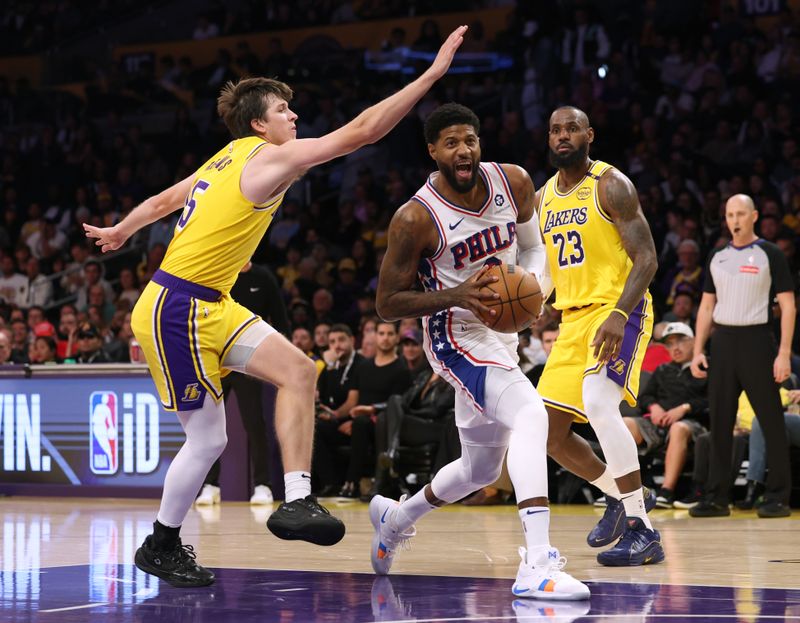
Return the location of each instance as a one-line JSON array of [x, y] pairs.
[[742, 359]]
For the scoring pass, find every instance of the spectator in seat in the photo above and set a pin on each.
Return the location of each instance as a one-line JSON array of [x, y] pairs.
[[5, 348], [337, 394], [673, 406], [90, 345], [375, 381], [413, 418], [757, 453], [413, 355]]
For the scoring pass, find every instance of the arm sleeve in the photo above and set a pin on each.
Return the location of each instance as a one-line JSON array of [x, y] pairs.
[[532, 256], [779, 269]]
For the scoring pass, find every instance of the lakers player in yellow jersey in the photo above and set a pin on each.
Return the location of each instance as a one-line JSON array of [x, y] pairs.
[[192, 332], [601, 259]]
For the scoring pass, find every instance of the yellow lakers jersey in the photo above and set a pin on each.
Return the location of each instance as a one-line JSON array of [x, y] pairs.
[[587, 261], [219, 228]]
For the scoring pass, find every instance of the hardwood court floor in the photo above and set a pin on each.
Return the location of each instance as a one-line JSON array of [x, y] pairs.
[[739, 551], [742, 552]]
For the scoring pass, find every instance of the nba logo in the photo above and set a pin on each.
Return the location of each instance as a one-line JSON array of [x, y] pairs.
[[103, 432]]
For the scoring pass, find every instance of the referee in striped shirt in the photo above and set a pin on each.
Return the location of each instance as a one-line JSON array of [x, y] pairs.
[[742, 280]]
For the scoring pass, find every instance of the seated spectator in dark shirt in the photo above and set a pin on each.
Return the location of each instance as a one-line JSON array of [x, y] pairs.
[[336, 396], [673, 406], [413, 418], [549, 335], [412, 353], [376, 380], [687, 276], [90, 345]]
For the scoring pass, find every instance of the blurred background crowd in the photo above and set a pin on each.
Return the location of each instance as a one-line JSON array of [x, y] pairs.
[[694, 101]]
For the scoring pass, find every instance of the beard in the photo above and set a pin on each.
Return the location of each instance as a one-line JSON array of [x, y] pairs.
[[569, 159], [461, 186]]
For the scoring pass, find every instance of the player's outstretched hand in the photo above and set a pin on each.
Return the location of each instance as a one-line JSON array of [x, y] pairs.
[[107, 238], [446, 53], [470, 294]]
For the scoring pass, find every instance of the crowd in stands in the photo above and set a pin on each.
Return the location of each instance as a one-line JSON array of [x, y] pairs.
[[693, 106]]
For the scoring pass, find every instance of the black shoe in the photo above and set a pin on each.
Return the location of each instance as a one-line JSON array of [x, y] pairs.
[[771, 508], [690, 501], [754, 491], [306, 520], [349, 490], [665, 498], [176, 567], [707, 508]]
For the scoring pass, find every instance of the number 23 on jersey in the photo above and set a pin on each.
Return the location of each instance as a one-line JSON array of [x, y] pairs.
[[570, 248]]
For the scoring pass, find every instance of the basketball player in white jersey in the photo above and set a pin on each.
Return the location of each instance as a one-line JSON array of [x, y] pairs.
[[468, 216]]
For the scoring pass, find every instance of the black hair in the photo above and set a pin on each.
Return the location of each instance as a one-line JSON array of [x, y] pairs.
[[341, 328], [448, 115]]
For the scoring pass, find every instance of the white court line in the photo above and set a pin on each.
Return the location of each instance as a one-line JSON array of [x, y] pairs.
[[145, 592], [97, 605], [110, 579], [615, 617], [289, 590]]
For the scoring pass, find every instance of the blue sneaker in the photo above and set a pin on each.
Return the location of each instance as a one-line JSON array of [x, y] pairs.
[[612, 523], [638, 546]]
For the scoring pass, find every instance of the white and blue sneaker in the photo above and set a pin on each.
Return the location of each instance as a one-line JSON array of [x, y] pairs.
[[543, 578], [563, 612], [387, 539]]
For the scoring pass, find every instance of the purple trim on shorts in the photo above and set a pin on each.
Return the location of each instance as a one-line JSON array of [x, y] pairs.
[[189, 391], [195, 290], [618, 369]]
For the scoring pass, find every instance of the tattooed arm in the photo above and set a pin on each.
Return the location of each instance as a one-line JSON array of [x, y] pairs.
[[619, 199], [413, 236]]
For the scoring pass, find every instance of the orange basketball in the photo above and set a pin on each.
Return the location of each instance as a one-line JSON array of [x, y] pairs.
[[520, 299]]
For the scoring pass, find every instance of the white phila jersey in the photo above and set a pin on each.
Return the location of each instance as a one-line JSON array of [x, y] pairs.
[[457, 344]]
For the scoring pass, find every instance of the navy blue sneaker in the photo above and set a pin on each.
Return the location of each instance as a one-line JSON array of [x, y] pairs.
[[638, 546], [612, 523]]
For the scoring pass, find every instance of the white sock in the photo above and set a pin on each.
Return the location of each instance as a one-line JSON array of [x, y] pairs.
[[607, 484], [634, 506], [411, 510], [297, 485], [536, 526]]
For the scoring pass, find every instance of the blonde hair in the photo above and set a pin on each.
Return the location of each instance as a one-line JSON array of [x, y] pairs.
[[241, 102]]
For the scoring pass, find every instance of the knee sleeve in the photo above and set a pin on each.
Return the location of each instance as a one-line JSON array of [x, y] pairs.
[[206, 436], [520, 408], [478, 466], [601, 398], [205, 441]]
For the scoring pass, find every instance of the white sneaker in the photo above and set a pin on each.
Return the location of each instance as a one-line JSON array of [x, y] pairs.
[[387, 539], [262, 495], [563, 612], [209, 495], [543, 578]]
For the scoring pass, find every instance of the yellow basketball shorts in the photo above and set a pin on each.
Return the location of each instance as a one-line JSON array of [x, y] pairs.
[[185, 331], [572, 357]]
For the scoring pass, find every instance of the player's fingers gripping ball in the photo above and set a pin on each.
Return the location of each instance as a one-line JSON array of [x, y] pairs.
[[519, 302]]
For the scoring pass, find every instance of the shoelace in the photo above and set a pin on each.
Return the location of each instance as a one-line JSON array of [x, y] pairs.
[[311, 503], [400, 540]]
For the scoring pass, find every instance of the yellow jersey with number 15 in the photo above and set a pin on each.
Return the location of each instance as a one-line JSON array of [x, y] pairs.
[[584, 250], [219, 229]]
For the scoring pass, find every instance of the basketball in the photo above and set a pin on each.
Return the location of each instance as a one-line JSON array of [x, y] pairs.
[[520, 299]]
